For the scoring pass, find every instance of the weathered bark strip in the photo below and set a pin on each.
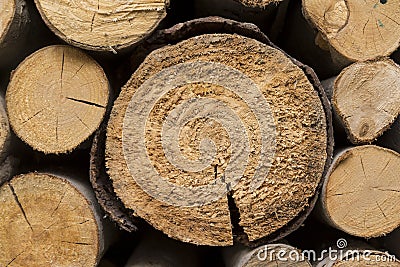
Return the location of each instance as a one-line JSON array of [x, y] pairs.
[[356, 30], [14, 24], [226, 25], [57, 98], [103, 187], [7, 163], [47, 219], [103, 25], [5, 134], [366, 99], [360, 195], [267, 255]]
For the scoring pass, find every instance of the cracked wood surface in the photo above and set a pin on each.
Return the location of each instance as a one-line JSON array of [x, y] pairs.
[[57, 105], [361, 193], [48, 220], [357, 30], [102, 25], [262, 212]]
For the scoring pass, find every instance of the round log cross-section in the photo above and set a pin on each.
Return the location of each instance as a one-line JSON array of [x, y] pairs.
[[46, 220], [361, 193], [57, 98], [102, 25], [366, 99], [212, 119], [357, 30]]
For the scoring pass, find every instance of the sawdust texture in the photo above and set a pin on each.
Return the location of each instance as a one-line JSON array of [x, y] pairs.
[[298, 127]]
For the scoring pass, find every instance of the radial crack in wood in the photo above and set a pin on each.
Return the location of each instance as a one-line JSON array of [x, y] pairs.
[[48, 220], [57, 105], [361, 195], [102, 25], [228, 87]]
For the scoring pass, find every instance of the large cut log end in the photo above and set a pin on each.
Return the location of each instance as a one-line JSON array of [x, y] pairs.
[[361, 193], [57, 98], [215, 128], [48, 220], [103, 25]]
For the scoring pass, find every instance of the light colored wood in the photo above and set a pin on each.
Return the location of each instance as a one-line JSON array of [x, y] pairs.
[[361, 194], [301, 138], [281, 255], [357, 30], [366, 98], [46, 220], [102, 25], [57, 98]]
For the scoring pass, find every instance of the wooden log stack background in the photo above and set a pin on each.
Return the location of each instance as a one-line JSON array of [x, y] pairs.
[[199, 132]]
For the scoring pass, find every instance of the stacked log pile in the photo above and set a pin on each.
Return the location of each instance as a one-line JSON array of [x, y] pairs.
[[192, 133]]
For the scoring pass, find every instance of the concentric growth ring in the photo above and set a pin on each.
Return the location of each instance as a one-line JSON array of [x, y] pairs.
[[146, 98]]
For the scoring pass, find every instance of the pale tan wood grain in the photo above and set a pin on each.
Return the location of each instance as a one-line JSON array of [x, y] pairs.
[[357, 30], [102, 25], [46, 220], [57, 98], [366, 98], [361, 195]]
